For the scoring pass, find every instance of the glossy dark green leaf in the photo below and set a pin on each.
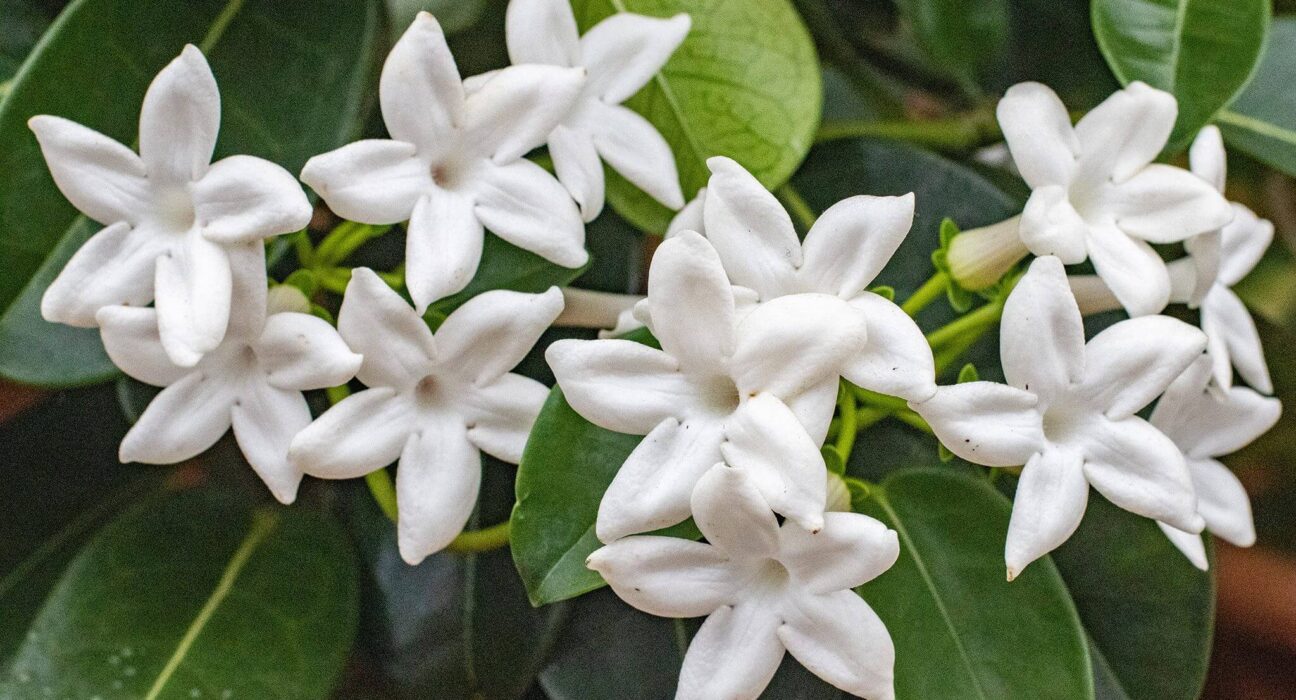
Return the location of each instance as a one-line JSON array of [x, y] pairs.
[[506, 266], [1149, 612], [24, 22], [1262, 120], [960, 629], [961, 38], [196, 595], [1052, 43], [745, 84], [1201, 51], [293, 79]]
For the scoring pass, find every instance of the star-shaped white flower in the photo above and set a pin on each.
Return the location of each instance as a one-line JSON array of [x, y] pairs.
[[253, 381], [621, 54], [1068, 414], [434, 403], [172, 216], [765, 589], [454, 165], [758, 393], [1206, 425], [1097, 195]]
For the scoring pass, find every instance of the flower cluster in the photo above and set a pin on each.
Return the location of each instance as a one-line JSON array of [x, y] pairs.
[[758, 330]]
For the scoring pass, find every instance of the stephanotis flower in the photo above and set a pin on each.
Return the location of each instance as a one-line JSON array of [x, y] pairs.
[[253, 381], [765, 589], [172, 216], [1206, 425], [1068, 414], [620, 54], [766, 386], [433, 402], [1095, 194], [454, 165]]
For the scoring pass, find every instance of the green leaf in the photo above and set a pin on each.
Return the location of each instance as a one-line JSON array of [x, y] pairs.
[[961, 630], [293, 79], [745, 84], [196, 595], [1201, 51], [506, 266], [24, 22], [1262, 120], [961, 38], [1149, 612]]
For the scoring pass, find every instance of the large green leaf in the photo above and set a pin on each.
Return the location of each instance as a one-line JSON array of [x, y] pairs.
[[196, 595], [506, 266], [1262, 120], [1148, 611], [744, 84], [960, 629], [1201, 51], [962, 38], [24, 22], [293, 79]]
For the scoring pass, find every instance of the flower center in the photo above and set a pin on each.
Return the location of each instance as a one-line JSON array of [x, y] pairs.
[[175, 209], [771, 577], [427, 392], [719, 395]]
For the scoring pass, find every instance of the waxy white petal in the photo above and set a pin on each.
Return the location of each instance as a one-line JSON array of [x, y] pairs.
[[1141, 470], [1222, 502], [633, 147], [839, 638], [1131, 268], [750, 230], [420, 92], [100, 177], [985, 423], [186, 418], [1050, 225], [1206, 157], [491, 333], [1038, 130], [733, 655], [1226, 320], [1165, 204], [666, 576], [792, 343], [764, 439], [500, 414], [299, 351], [852, 241], [692, 304], [851, 550], [1050, 501], [1130, 363], [690, 218], [371, 181], [896, 359], [621, 385], [362, 433], [624, 51], [577, 165], [179, 120], [1042, 342], [443, 246], [265, 420], [130, 336], [114, 267], [1125, 132], [244, 199], [733, 515], [541, 31], [514, 111], [397, 345], [523, 204], [1243, 242], [436, 485], [192, 286], [1190, 544], [1203, 424]]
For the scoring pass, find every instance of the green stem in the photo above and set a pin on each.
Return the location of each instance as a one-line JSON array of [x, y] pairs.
[[380, 485], [849, 422], [958, 133], [796, 205], [930, 291], [971, 325], [911, 418], [484, 540]]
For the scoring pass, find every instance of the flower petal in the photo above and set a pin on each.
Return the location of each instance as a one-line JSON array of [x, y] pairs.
[[849, 551], [633, 147], [692, 304], [265, 420], [1189, 543], [764, 439], [300, 352], [621, 385], [815, 407], [733, 515], [130, 336], [750, 230], [243, 199], [1243, 242], [1125, 132], [793, 343], [839, 638], [624, 52], [1132, 362], [1165, 204], [852, 241], [1226, 317], [491, 333], [577, 165], [666, 576], [1203, 424], [362, 433], [523, 204], [1223, 502], [179, 119], [397, 345], [1206, 157], [690, 218], [1131, 268], [186, 418], [985, 423], [541, 31], [436, 485], [1050, 225], [114, 267], [652, 489], [1038, 130], [371, 181], [443, 247], [1139, 469], [193, 287], [1041, 336], [513, 112], [1192, 279], [500, 415], [733, 655], [420, 91], [1050, 501], [102, 178]]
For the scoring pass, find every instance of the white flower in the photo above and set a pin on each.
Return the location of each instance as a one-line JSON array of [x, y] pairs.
[[764, 589], [621, 54], [1205, 425], [843, 252], [767, 384], [454, 166], [1068, 414], [172, 216], [434, 403], [252, 381], [1096, 193]]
